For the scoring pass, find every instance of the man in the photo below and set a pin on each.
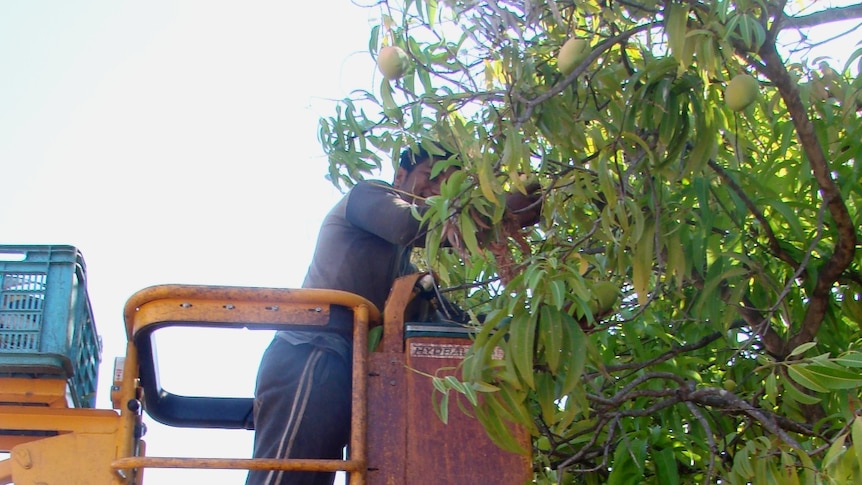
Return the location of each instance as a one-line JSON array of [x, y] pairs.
[[302, 396]]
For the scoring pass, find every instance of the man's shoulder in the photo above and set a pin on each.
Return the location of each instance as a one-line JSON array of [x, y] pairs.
[[373, 183], [371, 187]]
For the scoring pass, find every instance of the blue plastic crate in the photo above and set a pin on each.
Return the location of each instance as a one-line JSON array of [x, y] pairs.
[[46, 321]]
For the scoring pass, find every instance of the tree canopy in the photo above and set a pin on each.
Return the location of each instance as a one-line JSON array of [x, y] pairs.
[[689, 308]]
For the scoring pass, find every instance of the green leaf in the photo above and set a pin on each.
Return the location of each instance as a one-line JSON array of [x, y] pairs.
[[809, 470], [628, 462], [758, 34], [665, 467], [558, 293], [375, 334], [834, 452], [771, 386], [521, 344], [791, 392], [856, 436], [676, 262], [470, 392], [431, 12], [439, 384], [390, 107], [764, 470], [454, 383], [676, 16], [487, 181], [606, 183], [834, 378], [742, 461], [642, 262], [535, 275], [790, 215], [374, 38], [575, 352], [443, 412], [803, 377], [546, 396], [745, 29], [484, 387], [484, 345], [468, 233], [514, 407], [731, 25], [787, 474], [802, 349], [496, 427], [849, 359], [552, 336]]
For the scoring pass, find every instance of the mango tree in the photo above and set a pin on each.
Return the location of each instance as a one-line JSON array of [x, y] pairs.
[[689, 308]]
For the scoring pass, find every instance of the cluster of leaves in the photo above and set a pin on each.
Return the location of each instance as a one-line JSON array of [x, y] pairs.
[[734, 349]]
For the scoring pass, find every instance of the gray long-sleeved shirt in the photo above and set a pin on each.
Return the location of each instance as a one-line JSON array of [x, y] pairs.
[[363, 246]]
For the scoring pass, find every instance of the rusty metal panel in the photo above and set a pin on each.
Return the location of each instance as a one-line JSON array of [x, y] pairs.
[[407, 441], [460, 451], [387, 419]]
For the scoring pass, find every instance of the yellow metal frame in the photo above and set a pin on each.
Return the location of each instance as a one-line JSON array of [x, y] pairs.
[[102, 445]]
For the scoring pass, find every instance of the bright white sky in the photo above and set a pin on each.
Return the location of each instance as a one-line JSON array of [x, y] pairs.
[[175, 142]]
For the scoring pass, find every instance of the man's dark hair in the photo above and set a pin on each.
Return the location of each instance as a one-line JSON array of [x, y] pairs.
[[410, 158]]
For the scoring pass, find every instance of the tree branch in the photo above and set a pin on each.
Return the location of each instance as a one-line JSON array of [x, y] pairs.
[[845, 230], [720, 398], [755, 211], [829, 15]]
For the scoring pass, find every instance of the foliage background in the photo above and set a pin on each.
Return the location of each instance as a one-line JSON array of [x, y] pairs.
[[729, 346]]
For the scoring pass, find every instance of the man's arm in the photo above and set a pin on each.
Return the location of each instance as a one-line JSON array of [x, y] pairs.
[[376, 208]]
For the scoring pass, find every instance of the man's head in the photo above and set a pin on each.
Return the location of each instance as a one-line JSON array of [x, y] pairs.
[[414, 173]]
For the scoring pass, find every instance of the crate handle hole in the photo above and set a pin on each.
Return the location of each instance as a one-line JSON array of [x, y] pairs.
[[13, 256]]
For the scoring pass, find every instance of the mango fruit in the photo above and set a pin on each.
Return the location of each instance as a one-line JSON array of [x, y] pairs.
[[741, 91], [393, 62]]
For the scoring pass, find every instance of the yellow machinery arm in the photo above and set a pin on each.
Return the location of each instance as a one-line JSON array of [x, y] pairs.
[[54, 445]]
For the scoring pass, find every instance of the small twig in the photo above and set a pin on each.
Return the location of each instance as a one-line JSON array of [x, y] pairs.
[[703, 342], [713, 448]]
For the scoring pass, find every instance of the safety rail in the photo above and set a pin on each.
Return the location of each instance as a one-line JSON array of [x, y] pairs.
[[158, 307]]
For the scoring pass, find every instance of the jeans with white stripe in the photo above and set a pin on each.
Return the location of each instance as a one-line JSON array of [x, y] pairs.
[[302, 410]]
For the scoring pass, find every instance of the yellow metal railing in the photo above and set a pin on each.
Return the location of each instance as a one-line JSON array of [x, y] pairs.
[[258, 308]]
